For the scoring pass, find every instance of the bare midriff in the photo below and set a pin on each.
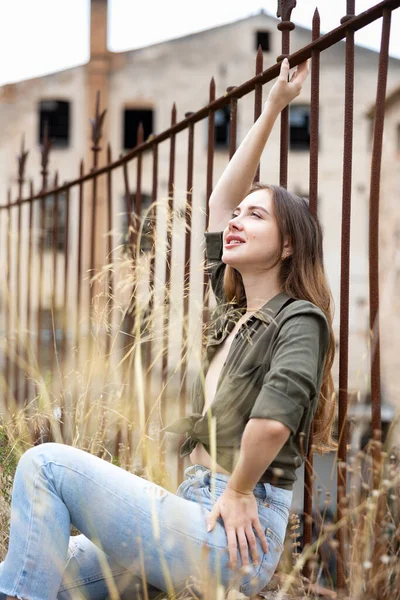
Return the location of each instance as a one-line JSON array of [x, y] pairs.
[[200, 456]]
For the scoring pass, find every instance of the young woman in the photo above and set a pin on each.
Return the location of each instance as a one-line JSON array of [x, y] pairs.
[[265, 378]]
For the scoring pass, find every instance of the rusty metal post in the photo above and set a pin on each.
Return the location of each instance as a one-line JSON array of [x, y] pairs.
[[97, 126], [232, 123], [209, 186], [8, 303], [258, 97], [313, 195], [28, 292], [186, 282], [374, 200], [167, 301], [21, 158], [110, 258], [376, 164], [344, 296], [314, 118], [54, 248], [284, 12], [153, 217], [66, 278]]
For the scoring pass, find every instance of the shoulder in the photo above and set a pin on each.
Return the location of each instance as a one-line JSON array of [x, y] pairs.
[[303, 316]]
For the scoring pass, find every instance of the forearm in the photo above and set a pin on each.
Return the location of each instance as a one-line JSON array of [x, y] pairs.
[[238, 176], [261, 441]]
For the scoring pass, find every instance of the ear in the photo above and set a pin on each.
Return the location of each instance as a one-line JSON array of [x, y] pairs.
[[287, 249]]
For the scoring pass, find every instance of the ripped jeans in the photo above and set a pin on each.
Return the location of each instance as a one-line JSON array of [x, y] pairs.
[[134, 532]]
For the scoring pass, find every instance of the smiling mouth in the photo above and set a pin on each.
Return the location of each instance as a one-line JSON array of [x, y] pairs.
[[233, 243]]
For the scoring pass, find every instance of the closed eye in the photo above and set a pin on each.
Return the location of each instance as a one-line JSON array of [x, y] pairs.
[[234, 215]]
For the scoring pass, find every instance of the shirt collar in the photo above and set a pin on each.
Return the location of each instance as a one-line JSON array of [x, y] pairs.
[[267, 312]]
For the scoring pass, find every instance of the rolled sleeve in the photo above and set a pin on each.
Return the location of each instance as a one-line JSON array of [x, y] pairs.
[[214, 265], [293, 379]]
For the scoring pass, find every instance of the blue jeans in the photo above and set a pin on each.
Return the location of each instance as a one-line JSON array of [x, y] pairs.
[[133, 531]]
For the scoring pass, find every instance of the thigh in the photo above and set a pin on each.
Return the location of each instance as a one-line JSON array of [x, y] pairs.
[[91, 575], [139, 525]]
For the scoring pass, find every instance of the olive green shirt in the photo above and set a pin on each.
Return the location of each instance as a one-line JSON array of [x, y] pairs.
[[273, 370]]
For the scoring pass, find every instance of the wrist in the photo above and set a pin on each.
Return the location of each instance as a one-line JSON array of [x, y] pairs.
[[272, 108], [240, 492]]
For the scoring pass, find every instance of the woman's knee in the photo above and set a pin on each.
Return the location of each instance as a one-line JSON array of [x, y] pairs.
[[36, 457]]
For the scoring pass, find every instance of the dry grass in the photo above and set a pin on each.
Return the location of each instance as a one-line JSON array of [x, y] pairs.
[[108, 410]]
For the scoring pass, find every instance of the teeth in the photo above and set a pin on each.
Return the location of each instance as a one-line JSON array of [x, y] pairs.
[[235, 242]]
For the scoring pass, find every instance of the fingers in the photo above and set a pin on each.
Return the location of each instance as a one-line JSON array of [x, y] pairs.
[[212, 518], [243, 547], [232, 547], [261, 535], [251, 539], [299, 75], [284, 72], [302, 72]]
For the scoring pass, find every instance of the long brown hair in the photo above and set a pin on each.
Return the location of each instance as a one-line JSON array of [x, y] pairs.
[[302, 276]]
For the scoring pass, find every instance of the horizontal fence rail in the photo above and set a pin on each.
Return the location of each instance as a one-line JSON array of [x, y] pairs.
[[104, 324]]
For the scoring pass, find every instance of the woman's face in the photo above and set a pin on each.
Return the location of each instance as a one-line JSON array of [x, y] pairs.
[[251, 241]]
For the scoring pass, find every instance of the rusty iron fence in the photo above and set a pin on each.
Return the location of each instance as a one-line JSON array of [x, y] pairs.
[[50, 299]]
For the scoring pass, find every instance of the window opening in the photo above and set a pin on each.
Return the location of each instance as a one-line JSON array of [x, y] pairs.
[[222, 127], [263, 39], [299, 123], [56, 114], [132, 118]]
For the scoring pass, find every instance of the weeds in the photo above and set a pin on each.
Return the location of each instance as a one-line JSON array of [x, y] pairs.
[[117, 385]]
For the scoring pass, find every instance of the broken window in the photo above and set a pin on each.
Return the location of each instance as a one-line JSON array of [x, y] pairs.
[[262, 39], [132, 118], [221, 127], [299, 123], [56, 114]]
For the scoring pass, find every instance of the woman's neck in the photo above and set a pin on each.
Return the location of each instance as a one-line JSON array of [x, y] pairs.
[[259, 290]]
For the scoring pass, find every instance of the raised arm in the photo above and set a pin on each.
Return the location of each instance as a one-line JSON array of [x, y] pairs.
[[238, 176]]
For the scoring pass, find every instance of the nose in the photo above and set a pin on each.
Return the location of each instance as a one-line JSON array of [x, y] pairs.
[[235, 223]]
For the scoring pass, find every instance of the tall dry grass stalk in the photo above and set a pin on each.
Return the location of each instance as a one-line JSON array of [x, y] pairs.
[[109, 396]]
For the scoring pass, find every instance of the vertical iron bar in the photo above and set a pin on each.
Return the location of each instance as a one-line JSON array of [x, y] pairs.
[[64, 322], [314, 118], [97, 125], [153, 216], [79, 267], [42, 234], [232, 123], [28, 291], [54, 351], [66, 275], [258, 97], [137, 222], [186, 282], [18, 312], [8, 303], [131, 249], [209, 186], [167, 288], [374, 242], [313, 195], [284, 11], [210, 146], [19, 339], [93, 240], [110, 280], [344, 296]]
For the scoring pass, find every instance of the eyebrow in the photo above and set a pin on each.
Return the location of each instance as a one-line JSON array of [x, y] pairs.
[[252, 207]]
